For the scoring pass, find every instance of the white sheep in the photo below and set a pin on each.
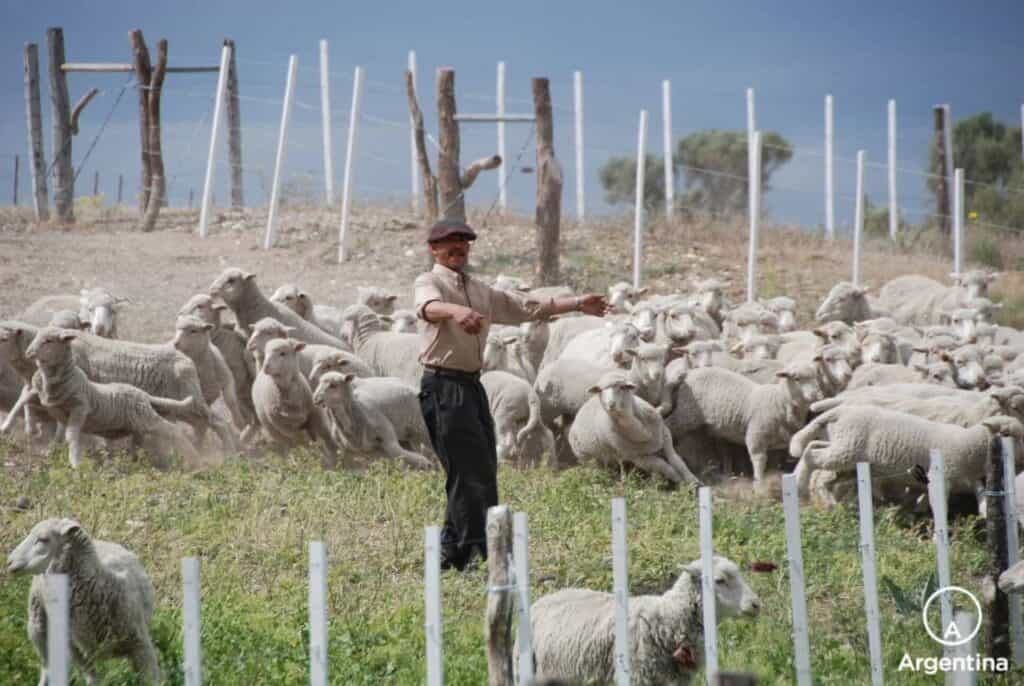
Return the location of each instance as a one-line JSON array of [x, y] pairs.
[[874, 374], [560, 331], [376, 298], [504, 351], [919, 300], [384, 352], [573, 630], [846, 303], [374, 416], [192, 337], [535, 337], [96, 307], [299, 302], [606, 346], [685, 323], [964, 408], [267, 329], [622, 296], [111, 599], [749, 319], [709, 297], [404, 321], [515, 407], [616, 427], [785, 310]]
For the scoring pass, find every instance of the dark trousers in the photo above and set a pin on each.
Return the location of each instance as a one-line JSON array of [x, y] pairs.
[[462, 432]]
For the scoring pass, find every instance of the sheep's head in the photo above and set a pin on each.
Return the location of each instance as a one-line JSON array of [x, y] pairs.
[[231, 285], [649, 364], [836, 365], [785, 309], [940, 373], [733, 596], [510, 283], [844, 303], [191, 333], [616, 393], [964, 321], [296, 300], [43, 547], [683, 324], [536, 334], [404, 321], [50, 345], [700, 353], [333, 389], [975, 282], [622, 296], [497, 349], [836, 333], [205, 307], [967, 366], [801, 379], [328, 362], [624, 337], [377, 299], [759, 347], [879, 347], [1012, 580], [281, 359], [643, 317], [708, 295], [752, 319], [98, 307], [1001, 425], [67, 319], [264, 331], [1010, 399]]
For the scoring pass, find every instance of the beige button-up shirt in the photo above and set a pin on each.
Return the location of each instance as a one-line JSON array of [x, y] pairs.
[[445, 344]]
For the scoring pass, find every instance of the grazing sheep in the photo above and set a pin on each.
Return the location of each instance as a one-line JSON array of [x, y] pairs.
[[108, 410], [615, 427], [515, 407], [733, 408], [573, 630], [239, 291], [192, 337], [384, 352], [96, 308], [894, 442], [284, 402], [920, 300], [111, 599], [374, 416], [846, 303], [377, 299]]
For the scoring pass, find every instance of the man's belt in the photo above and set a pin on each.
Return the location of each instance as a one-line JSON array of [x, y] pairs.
[[451, 373]]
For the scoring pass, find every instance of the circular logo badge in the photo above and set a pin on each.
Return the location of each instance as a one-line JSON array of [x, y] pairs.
[[950, 635]]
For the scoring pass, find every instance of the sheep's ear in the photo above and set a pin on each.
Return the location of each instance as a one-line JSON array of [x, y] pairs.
[[991, 276], [594, 389], [303, 295], [945, 356], [219, 306], [68, 335], [391, 298], [820, 333], [207, 326], [693, 569], [69, 527], [784, 374], [248, 276], [348, 377], [818, 358], [298, 345], [640, 291]]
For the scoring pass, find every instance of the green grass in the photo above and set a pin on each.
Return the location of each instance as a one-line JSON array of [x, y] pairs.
[[250, 523]]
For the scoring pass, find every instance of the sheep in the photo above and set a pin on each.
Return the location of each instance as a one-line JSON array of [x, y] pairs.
[[268, 329], [109, 410], [535, 336], [733, 408], [682, 324], [284, 401], [709, 298], [16, 371], [384, 352], [503, 351], [562, 330], [299, 302], [374, 415], [966, 408], [404, 321], [97, 306], [875, 374], [231, 344], [111, 598], [920, 300], [749, 319], [614, 426], [846, 303], [785, 310], [644, 317], [622, 296], [326, 359], [515, 408], [573, 638], [377, 299], [880, 347], [239, 291], [606, 346], [67, 319], [969, 366], [192, 337]]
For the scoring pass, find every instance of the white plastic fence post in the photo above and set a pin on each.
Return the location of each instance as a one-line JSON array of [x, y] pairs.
[[754, 202], [413, 166], [432, 625], [317, 614], [751, 118], [577, 89], [947, 136], [894, 217], [707, 580], [1009, 449], [218, 108], [937, 499], [58, 630], [830, 189], [521, 559], [638, 216], [795, 558], [958, 221], [666, 118], [325, 113], [858, 218], [190, 614], [350, 153], [282, 142], [503, 167], [867, 554], [965, 623], [620, 583]]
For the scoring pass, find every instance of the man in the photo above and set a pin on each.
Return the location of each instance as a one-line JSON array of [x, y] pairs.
[[458, 310]]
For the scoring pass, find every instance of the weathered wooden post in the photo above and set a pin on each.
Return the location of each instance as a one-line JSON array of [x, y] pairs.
[[17, 160], [453, 203], [120, 187], [420, 146], [958, 221], [500, 596], [414, 171], [941, 186], [998, 612], [143, 74], [549, 187], [234, 121], [63, 173], [151, 82], [34, 119], [95, 183]]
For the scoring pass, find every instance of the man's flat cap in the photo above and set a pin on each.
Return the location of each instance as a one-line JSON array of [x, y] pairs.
[[446, 228]]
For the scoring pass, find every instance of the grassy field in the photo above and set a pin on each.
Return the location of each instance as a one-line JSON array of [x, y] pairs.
[[249, 521]]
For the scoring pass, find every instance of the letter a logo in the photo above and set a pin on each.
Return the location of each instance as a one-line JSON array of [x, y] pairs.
[[952, 633]]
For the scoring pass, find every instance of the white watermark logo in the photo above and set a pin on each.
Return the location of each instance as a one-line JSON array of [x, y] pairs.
[[951, 635]]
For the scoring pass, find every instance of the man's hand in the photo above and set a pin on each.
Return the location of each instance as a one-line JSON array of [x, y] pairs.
[[595, 304], [469, 320]]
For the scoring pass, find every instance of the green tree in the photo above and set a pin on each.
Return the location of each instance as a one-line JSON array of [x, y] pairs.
[[618, 178]]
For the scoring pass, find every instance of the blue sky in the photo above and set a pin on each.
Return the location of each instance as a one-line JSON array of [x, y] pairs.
[[792, 53]]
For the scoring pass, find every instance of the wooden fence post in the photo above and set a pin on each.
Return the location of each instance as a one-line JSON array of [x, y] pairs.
[[64, 174], [830, 189], [432, 598], [577, 89], [325, 119], [414, 170], [894, 215], [941, 180], [858, 218], [120, 188], [157, 179], [317, 614], [95, 183], [17, 171], [453, 204], [420, 149], [350, 154], [707, 582], [666, 121], [754, 202], [620, 590], [548, 216], [143, 73], [521, 557], [998, 611], [500, 596], [282, 142], [234, 124], [190, 614], [1009, 451], [58, 630], [638, 206], [218, 105], [33, 117], [795, 558], [867, 553]]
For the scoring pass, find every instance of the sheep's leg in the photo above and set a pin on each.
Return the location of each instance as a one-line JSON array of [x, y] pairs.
[[319, 428], [26, 396], [656, 465], [144, 661], [808, 463], [73, 434], [84, 665], [675, 460], [392, 449]]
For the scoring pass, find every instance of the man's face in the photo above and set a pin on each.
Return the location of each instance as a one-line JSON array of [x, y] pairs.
[[451, 252]]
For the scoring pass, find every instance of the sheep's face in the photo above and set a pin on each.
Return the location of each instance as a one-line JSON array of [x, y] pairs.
[[681, 324], [649, 364], [787, 320], [624, 337], [622, 296], [50, 345], [496, 351], [1010, 399], [879, 348], [377, 299], [231, 285], [759, 348], [967, 366], [333, 389], [403, 321], [802, 382], [295, 300], [837, 333], [733, 596], [204, 307], [331, 362], [616, 394], [975, 282], [66, 319], [964, 322], [846, 303], [939, 373], [1001, 425], [709, 297], [264, 331], [835, 362], [43, 545], [643, 318], [99, 308], [1012, 580], [700, 353], [191, 333], [10, 346], [281, 358]]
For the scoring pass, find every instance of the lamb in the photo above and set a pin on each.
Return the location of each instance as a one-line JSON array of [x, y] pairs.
[[97, 306], [606, 346], [622, 296], [299, 302], [895, 442], [846, 303], [109, 410], [111, 598], [573, 637], [268, 329], [615, 427], [682, 324], [404, 321], [515, 407], [284, 402], [374, 416], [920, 300], [733, 408], [709, 298], [377, 299], [192, 337], [239, 290], [785, 310], [384, 352], [504, 352]]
